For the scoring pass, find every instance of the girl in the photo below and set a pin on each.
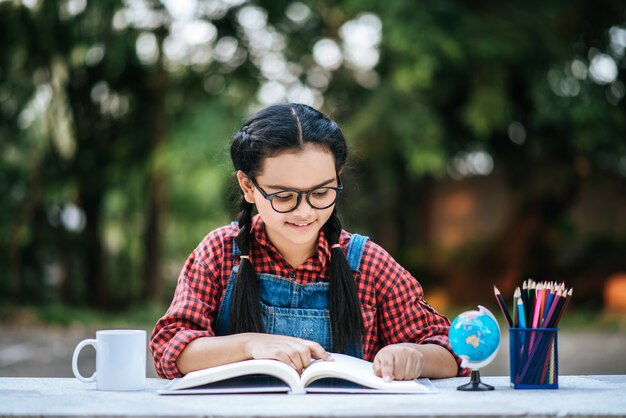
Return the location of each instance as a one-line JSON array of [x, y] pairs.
[[289, 284]]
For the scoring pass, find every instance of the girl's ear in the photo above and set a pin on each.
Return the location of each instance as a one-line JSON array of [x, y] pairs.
[[246, 186]]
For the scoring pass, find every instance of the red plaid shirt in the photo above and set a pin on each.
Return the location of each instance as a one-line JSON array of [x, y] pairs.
[[392, 302]]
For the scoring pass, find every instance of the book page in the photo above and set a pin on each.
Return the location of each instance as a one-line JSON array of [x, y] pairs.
[[333, 385], [242, 368], [257, 383], [360, 372]]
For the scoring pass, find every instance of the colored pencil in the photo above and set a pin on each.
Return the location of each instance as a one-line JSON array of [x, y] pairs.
[[537, 307], [525, 298], [531, 301], [520, 314], [516, 296], [542, 302], [549, 300], [503, 307]]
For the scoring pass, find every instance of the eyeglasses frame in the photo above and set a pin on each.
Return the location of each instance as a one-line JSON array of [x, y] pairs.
[[307, 193]]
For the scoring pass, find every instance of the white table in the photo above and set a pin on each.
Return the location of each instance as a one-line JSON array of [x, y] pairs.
[[577, 396]]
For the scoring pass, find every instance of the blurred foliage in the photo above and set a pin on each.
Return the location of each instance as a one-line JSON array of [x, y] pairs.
[[114, 133], [141, 315]]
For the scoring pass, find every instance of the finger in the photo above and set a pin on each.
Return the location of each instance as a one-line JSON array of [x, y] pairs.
[[301, 354], [377, 370], [386, 368], [283, 356], [410, 368], [295, 359], [399, 367], [317, 351]]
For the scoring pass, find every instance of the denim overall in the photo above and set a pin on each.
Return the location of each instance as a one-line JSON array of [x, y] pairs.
[[290, 308]]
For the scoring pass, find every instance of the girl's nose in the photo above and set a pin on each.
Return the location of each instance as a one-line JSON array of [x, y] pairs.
[[304, 209]]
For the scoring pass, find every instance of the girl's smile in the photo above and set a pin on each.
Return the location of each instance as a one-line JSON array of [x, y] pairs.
[[300, 226]]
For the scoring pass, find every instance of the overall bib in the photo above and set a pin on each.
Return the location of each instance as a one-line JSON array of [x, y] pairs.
[[293, 309]]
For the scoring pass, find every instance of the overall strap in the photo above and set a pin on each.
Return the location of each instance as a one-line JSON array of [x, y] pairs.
[[355, 251], [236, 250]]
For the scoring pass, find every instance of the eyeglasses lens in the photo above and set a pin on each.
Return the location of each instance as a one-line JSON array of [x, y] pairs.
[[319, 198]]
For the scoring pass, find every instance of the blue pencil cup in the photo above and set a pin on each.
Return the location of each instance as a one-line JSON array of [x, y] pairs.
[[534, 358]]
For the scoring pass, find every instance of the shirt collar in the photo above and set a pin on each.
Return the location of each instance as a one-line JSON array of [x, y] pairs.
[[260, 235]]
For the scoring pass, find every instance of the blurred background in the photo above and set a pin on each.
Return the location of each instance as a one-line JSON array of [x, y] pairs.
[[488, 146]]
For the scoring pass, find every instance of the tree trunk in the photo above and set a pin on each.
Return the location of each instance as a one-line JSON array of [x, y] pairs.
[[152, 285], [24, 219], [95, 269]]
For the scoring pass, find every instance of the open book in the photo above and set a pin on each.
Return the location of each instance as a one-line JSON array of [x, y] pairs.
[[345, 374]]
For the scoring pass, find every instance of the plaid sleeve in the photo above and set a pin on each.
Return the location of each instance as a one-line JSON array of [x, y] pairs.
[[193, 307], [405, 316]]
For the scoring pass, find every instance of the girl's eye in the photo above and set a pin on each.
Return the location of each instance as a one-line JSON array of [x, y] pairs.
[[320, 193], [284, 197]]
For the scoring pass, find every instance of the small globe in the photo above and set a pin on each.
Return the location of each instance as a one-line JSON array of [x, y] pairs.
[[475, 337]]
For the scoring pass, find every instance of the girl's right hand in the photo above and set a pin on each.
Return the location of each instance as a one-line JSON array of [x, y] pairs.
[[295, 352]]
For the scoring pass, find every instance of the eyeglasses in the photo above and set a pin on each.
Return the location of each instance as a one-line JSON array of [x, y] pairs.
[[288, 200]]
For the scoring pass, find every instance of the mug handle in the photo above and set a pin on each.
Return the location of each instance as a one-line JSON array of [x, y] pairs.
[[79, 347]]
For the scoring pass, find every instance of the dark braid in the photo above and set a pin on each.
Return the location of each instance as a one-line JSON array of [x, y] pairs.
[[245, 311], [345, 309]]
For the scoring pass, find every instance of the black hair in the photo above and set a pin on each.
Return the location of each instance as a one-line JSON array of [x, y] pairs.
[[273, 130]]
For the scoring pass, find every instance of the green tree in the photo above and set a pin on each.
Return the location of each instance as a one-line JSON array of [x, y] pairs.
[[115, 119], [520, 82], [87, 108]]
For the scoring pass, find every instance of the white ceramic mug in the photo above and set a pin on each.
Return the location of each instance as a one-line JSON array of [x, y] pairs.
[[120, 360]]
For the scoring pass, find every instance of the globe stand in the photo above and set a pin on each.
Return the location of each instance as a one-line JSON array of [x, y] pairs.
[[475, 338], [475, 385]]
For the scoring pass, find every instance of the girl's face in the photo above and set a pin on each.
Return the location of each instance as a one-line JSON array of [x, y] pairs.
[[299, 170]]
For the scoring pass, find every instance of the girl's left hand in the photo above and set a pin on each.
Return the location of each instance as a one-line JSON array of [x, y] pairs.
[[402, 361]]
